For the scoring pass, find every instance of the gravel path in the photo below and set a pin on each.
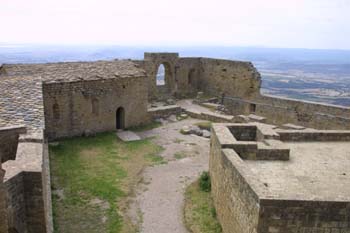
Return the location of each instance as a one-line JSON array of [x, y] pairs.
[[160, 197]]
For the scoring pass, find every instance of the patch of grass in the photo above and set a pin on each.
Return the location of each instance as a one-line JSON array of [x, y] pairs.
[[199, 211], [155, 158], [146, 127], [180, 155], [96, 174], [204, 125], [204, 182]]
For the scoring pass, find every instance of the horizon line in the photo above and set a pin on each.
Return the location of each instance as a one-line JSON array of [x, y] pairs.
[[10, 44]]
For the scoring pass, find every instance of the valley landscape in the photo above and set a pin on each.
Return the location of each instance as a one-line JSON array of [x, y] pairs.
[[305, 74]]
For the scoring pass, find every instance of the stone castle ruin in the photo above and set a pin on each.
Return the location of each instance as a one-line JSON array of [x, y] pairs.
[[254, 166]]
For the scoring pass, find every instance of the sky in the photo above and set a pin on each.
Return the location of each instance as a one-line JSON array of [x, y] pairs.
[[323, 24]]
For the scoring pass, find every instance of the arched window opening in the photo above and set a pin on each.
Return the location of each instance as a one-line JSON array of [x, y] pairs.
[[95, 106], [191, 77], [161, 75], [56, 111], [120, 118]]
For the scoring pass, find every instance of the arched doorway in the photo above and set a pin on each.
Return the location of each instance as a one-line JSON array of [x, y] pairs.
[[191, 78], [120, 118], [164, 75], [160, 77]]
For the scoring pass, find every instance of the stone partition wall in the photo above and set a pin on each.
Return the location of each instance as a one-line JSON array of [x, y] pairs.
[[8, 148], [3, 212], [86, 107], [316, 115], [236, 203], [291, 196], [150, 64], [289, 216], [232, 78], [28, 189], [188, 74], [185, 76]]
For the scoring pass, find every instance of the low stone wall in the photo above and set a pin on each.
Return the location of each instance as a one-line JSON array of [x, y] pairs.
[[281, 111], [208, 116], [309, 114], [3, 212], [284, 216], [164, 111], [28, 189], [314, 135], [235, 201], [16, 203], [246, 204]]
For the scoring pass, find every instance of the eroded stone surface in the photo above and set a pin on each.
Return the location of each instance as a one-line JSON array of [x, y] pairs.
[[21, 102]]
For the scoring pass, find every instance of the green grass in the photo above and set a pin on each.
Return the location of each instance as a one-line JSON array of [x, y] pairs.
[[96, 174], [204, 125], [199, 211], [180, 155]]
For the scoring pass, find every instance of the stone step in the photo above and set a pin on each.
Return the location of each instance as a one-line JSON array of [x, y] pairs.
[[128, 136]]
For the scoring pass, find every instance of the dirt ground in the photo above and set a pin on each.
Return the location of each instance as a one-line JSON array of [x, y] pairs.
[[158, 205]]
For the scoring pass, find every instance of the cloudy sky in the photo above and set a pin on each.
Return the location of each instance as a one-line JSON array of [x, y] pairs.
[[270, 23]]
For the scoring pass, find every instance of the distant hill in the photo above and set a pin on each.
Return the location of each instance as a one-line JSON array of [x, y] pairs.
[[309, 74]]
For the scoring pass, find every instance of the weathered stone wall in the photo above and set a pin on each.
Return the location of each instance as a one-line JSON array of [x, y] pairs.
[[150, 64], [8, 149], [289, 216], [321, 116], [28, 190], [246, 202], [232, 78], [46, 184], [280, 111], [34, 198], [75, 108], [16, 203], [3, 212], [185, 76], [235, 201], [188, 74]]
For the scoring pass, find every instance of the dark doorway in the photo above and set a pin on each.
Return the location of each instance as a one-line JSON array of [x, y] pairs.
[[120, 118], [191, 77]]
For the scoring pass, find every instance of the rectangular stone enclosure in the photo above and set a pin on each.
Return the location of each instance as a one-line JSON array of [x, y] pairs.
[[261, 184]]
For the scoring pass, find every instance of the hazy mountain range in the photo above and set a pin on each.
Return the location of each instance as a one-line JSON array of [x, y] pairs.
[[316, 75]]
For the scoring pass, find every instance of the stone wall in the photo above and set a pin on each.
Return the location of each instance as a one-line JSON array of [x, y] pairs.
[[281, 111], [287, 216], [16, 203], [186, 76], [246, 202], [27, 185], [232, 78], [239, 83], [34, 202], [3, 212], [77, 108], [320, 116], [235, 201], [8, 148], [150, 64]]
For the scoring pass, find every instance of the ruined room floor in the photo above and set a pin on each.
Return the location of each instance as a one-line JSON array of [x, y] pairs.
[[315, 171], [158, 205]]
